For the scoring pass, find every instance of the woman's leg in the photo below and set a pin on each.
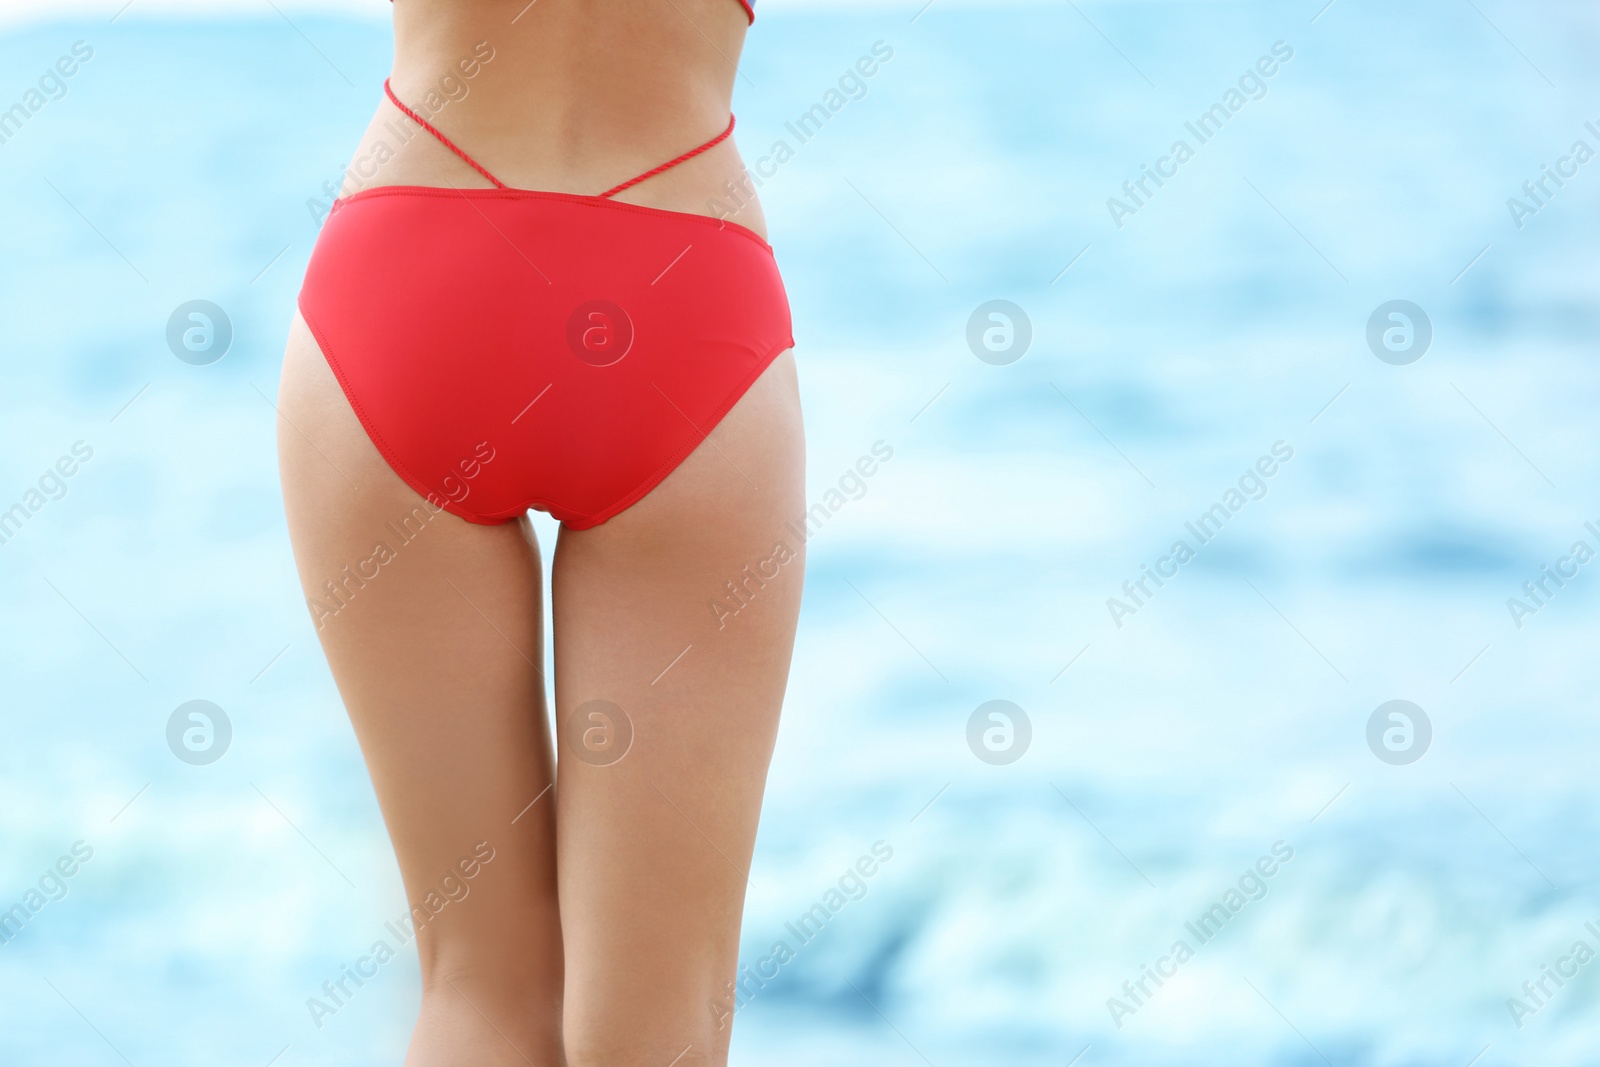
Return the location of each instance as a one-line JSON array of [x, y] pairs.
[[432, 629], [654, 848]]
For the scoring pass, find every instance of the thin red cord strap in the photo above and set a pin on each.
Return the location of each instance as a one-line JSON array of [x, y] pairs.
[[631, 182], [498, 184], [425, 124]]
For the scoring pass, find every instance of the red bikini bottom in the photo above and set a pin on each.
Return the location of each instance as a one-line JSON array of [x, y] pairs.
[[508, 349]]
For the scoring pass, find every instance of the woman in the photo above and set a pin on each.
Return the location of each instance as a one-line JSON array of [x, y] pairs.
[[610, 351]]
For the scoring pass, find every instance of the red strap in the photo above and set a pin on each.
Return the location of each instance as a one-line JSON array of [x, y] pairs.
[[420, 121], [669, 164], [498, 184]]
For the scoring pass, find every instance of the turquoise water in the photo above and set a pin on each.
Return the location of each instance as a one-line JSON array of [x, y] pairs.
[[1226, 714]]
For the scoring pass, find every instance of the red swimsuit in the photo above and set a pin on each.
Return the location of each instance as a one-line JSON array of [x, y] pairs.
[[508, 349]]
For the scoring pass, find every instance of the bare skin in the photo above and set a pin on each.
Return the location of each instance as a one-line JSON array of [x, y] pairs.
[[604, 930]]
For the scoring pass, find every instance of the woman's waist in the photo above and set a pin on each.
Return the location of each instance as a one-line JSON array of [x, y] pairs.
[[396, 152], [578, 81], [548, 131]]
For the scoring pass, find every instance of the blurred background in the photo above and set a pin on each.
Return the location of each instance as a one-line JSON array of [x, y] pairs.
[[1358, 273]]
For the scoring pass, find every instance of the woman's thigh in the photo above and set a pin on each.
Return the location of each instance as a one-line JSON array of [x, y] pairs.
[[674, 622], [431, 626]]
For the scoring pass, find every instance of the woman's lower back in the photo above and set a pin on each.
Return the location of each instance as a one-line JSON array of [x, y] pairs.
[[565, 95]]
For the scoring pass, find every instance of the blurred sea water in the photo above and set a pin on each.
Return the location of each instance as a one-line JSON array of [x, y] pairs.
[[1172, 746]]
